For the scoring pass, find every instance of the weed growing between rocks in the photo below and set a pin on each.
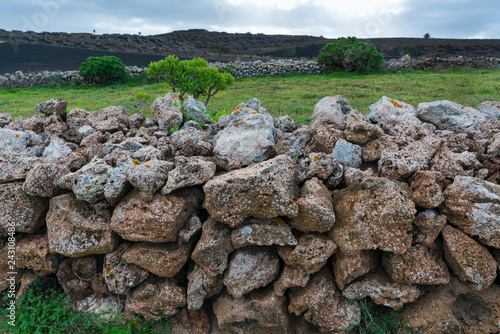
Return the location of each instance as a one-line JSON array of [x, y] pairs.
[[42, 311], [376, 319]]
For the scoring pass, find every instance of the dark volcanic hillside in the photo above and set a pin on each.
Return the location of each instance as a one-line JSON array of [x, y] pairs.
[[213, 46]]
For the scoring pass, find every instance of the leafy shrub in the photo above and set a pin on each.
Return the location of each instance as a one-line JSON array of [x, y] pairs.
[[427, 35], [409, 50], [103, 70], [50, 312], [193, 77], [350, 54]]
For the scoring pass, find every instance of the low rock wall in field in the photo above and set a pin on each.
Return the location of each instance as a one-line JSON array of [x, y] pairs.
[[250, 224], [241, 69]]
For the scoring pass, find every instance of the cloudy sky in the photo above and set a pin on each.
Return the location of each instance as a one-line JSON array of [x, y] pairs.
[[329, 18]]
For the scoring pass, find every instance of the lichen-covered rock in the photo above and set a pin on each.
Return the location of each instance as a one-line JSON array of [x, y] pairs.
[[164, 260], [418, 265], [331, 110], [427, 188], [148, 153], [377, 213], [157, 221], [25, 211], [354, 175], [264, 190], [108, 307], [148, 177], [5, 119], [319, 165], [202, 284], [468, 259], [405, 162], [285, 124], [452, 164], [359, 130], [110, 119], [75, 229], [373, 150], [21, 142], [348, 267], [295, 144], [155, 298], [474, 206], [323, 305], [52, 107], [76, 118], [188, 172], [311, 253], [323, 139], [260, 312], [116, 185], [32, 252], [388, 112], [315, 208], [192, 142], [383, 290], [121, 276], [347, 154], [447, 115], [214, 247], [195, 110], [250, 268], [262, 232], [491, 109], [54, 124], [427, 226], [166, 111], [249, 134], [289, 278], [42, 179], [57, 152]]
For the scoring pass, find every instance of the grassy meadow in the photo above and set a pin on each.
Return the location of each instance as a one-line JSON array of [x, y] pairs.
[[292, 94]]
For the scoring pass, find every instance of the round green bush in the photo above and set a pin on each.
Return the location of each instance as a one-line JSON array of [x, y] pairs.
[[350, 55], [103, 70]]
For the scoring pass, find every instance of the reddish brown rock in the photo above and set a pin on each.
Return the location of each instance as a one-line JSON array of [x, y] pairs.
[[32, 252], [52, 107], [323, 305], [14, 167], [110, 119], [166, 111], [311, 253], [42, 180], [191, 142], [79, 278], [264, 190], [119, 275], [263, 232], [75, 229], [418, 265], [289, 278], [202, 284], [427, 226], [214, 247], [323, 138], [315, 208], [354, 175], [452, 164], [374, 149], [374, 214], [164, 260], [383, 290], [158, 221], [55, 124], [250, 268], [260, 312], [348, 267], [26, 212], [427, 188], [468, 259], [191, 322], [76, 118], [155, 298], [359, 130], [8, 278], [473, 205]]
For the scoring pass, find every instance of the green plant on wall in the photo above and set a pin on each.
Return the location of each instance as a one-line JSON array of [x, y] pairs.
[[193, 77]]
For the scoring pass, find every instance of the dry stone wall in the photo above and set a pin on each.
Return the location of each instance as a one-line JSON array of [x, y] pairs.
[[258, 225]]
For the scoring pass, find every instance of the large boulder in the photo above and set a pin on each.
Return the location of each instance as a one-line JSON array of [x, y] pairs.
[[322, 304], [260, 312], [166, 111], [264, 190], [21, 142], [250, 268], [25, 212], [249, 134], [377, 213], [474, 206], [388, 112], [157, 221], [15, 167], [468, 259], [447, 115], [75, 229], [331, 110]]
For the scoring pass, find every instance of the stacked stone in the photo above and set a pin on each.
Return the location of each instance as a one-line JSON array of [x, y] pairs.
[[258, 225]]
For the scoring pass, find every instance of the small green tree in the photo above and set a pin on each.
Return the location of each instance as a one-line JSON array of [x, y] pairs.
[[427, 35], [141, 98], [193, 77], [103, 70], [350, 54]]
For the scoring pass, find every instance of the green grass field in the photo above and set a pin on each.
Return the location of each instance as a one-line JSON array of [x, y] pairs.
[[291, 94]]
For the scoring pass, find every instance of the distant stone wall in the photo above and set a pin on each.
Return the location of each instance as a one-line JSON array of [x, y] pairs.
[[249, 69], [258, 225]]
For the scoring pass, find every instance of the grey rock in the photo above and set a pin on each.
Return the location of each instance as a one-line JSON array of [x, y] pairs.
[[447, 115], [188, 172], [166, 111], [195, 110], [331, 110], [347, 154], [148, 177], [491, 109], [391, 111]]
